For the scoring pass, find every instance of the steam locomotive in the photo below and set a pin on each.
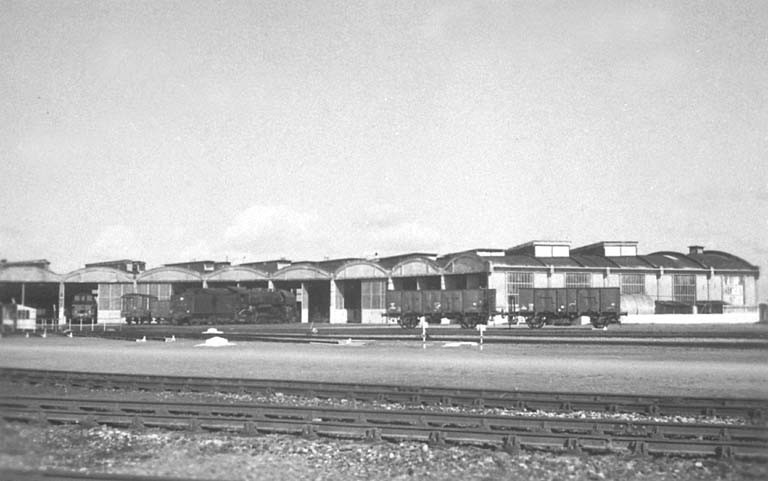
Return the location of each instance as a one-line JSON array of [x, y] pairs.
[[213, 305]]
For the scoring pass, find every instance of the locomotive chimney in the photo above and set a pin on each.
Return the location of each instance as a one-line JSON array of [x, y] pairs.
[[695, 250]]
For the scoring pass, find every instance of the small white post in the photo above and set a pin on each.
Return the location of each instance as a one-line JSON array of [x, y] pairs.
[[423, 334], [481, 328]]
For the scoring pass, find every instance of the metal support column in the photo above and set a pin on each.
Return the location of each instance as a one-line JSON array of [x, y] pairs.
[[62, 308]]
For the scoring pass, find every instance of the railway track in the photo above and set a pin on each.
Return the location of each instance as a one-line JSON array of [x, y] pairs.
[[65, 475], [498, 335], [510, 433], [751, 410]]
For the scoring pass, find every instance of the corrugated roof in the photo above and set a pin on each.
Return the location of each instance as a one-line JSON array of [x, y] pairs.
[[561, 262], [632, 262], [519, 260], [595, 261]]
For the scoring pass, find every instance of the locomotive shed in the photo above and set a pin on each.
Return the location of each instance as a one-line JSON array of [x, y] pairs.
[[665, 287]]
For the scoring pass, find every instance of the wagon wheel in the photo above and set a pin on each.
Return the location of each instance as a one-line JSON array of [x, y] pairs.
[[469, 322], [598, 321], [408, 322]]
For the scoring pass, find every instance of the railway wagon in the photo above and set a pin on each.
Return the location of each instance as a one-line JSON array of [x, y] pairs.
[[83, 309], [232, 305], [16, 317], [468, 307], [136, 308], [540, 306], [160, 310]]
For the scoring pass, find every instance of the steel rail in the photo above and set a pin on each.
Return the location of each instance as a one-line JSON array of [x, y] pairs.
[[492, 336], [750, 409], [7, 474], [508, 432]]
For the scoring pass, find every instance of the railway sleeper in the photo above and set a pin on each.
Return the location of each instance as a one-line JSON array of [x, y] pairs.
[[572, 446], [373, 435], [137, 423], [309, 431], [436, 438]]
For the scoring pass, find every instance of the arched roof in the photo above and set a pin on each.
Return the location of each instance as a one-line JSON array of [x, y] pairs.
[[673, 260], [722, 261], [98, 275], [28, 274], [415, 267], [301, 272], [360, 269], [169, 274], [465, 264], [237, 274]]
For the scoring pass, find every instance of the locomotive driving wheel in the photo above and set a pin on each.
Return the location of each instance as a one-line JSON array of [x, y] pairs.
[[536, 322]]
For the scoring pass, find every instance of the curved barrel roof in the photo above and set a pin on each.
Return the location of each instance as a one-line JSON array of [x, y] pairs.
[[722, 261], [673, 260], [406, 265]]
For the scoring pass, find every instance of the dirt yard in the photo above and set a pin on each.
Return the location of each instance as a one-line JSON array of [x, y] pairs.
[[647, 370]]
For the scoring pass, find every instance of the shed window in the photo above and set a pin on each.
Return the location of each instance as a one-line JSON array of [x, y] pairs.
[[578, 279], [684, 288], [633, 283], [516, 280], [372, 293], [161, 291], [110, 295]]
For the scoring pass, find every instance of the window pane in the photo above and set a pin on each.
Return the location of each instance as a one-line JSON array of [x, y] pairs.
[[578, 279], [684, 288], [516, 280], [633, 283], [372, 294]]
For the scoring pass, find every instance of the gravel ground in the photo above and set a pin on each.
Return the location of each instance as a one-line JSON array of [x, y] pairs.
[[274, 457]]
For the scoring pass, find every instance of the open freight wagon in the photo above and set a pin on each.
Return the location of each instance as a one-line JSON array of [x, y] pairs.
[[542, 306], [468, 307]]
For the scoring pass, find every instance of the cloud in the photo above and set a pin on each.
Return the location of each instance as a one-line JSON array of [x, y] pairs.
[[275, 230], [388, 230], [114, 242]]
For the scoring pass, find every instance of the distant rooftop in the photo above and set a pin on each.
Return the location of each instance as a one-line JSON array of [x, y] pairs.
[[44, 263], [542, 248]]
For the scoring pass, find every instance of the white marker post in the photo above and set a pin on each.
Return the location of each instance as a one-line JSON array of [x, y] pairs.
[[423, 334], [481, 328]]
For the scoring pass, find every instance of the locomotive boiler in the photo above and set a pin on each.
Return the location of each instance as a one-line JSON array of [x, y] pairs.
[[233, 305]]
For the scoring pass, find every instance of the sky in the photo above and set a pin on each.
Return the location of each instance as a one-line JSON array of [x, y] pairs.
[[245, 131]]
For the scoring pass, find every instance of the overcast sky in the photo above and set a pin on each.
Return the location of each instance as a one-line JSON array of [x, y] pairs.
[[171, 131]]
